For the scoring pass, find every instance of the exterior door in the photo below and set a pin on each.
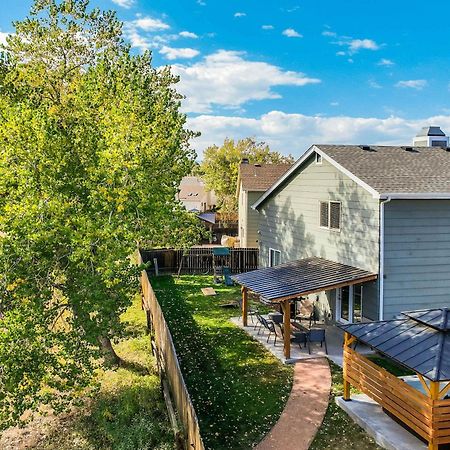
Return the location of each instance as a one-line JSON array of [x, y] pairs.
[[349, 304]]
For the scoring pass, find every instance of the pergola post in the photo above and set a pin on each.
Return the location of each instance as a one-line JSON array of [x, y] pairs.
[[244, 291], [348, 339], [434, 395], [287, 328]]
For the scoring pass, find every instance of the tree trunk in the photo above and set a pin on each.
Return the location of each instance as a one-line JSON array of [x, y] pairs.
[[109, 351]]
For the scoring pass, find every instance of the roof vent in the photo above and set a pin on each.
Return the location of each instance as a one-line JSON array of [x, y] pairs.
[[411, 149], [257, 165], [431, 137], [367, 148], [244, 161]]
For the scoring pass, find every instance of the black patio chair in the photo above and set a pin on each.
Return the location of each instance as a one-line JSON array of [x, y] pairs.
[[317, 335], [270, 326], [259, 322], [299, 337]]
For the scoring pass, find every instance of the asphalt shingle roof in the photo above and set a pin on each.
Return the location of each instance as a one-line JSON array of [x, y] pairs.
[[395, 169], [261, 177]]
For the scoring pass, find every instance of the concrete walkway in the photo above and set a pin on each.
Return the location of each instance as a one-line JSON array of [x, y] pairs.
[[304, 410]]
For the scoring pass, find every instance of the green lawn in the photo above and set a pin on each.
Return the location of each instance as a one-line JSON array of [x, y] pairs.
[[338, 431], [128, 413], [238, 388]]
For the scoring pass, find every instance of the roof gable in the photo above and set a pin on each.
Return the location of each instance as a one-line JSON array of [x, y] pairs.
[[384, 171]]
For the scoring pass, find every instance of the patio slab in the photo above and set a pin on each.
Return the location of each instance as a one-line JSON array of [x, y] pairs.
[[387, 433], [334, 336]]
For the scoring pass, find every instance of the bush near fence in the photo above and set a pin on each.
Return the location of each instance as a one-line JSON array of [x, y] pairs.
[[199, 260], [168, 362]]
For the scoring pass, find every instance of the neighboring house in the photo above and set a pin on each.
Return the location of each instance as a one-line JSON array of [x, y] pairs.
[[194, 196], [384, 209], [253, 180]]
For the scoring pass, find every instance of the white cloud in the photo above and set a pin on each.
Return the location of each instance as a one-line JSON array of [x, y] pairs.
[[413, 84], [178, 53], [385, 62], [188, 34], [374, 85], [334, 103], [124, 3], [341, 53], [227, 79], [240, 14], [329, 33], [295, 133], [290, 32], [148, 23], [267, 27], [357, 44], [3, 37], [201, 2]]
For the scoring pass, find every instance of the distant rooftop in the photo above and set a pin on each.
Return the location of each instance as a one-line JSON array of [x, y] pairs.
[[431, 131], [261, 177]]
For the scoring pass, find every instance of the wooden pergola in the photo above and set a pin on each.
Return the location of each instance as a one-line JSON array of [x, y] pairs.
[[285, 282], [420, 341]]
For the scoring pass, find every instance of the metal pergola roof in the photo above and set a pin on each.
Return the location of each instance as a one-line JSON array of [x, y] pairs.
[[420, 341], [302, 277]]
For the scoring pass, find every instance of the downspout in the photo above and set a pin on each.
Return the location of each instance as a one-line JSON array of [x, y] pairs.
[[381, 255]]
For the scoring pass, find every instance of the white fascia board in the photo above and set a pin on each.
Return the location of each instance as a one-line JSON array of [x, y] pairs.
[[416, 195], [303, 158]]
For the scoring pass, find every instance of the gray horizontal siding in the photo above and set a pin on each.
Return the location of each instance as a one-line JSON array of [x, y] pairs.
[[289, 220], [252, 220], [417, 255]]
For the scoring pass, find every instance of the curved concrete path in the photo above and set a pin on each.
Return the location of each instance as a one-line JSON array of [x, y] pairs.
[[305, 408]]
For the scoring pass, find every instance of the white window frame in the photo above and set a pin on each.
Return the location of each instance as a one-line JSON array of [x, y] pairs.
[[329, 215], [274, 250], [318, 159], [351, 300]]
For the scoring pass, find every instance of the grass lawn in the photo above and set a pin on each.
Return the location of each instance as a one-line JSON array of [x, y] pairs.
[[238, 388], [338, 431], [128, 412]]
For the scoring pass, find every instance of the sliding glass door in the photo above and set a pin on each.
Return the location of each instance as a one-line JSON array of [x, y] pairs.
[[349, 304]]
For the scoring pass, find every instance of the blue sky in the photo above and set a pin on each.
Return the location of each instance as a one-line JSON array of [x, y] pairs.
[[294, 73]]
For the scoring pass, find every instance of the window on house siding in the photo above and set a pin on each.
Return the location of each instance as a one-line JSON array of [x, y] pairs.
[[335, 215], [318, 159], [274, 257], [330, 215], [324, 214]]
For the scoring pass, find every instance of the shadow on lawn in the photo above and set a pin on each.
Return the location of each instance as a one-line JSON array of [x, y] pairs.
[[238, 388]]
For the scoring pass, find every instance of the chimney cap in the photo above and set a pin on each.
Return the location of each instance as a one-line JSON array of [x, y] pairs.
[[430, 131]]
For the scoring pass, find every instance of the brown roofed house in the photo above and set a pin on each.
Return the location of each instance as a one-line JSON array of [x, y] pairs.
[[253, 180]]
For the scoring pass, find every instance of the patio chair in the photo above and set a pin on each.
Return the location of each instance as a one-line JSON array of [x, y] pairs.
[[299, 338], [317, 335], [260, 322], [270, 326]]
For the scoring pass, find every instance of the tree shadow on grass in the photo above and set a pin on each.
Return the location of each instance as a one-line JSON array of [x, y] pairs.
[[127, 414], [238, 388]]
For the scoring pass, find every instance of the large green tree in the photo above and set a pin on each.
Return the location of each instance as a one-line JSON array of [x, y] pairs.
[[220, 167], [92, 149]]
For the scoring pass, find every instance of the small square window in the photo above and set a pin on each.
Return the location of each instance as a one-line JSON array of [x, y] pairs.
[[318, 159], [330, 215]]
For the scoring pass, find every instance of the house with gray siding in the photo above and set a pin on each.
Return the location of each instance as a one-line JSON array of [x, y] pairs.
[[253, 180], [383, 209]]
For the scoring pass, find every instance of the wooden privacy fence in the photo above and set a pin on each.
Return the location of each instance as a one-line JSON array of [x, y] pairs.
[[168, 361], [429, 418], [199, 260]]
